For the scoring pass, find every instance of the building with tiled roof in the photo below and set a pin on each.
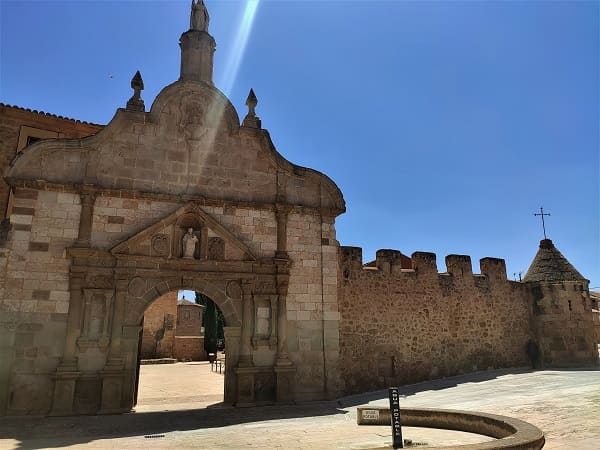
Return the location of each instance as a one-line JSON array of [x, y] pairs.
[[22, 127]]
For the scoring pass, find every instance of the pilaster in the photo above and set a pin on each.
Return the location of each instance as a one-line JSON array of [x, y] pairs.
[[88, 198], [247, 324]]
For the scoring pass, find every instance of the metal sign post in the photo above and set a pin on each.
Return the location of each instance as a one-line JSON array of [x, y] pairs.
[[397, 441]]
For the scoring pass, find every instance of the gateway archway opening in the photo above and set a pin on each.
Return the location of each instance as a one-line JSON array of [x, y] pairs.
[[181, 353]]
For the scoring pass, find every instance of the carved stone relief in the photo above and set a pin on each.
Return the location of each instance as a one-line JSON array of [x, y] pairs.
[[216, 249], [97, 312], [160, 245], [265, 329], [234, 290], [137, 287]]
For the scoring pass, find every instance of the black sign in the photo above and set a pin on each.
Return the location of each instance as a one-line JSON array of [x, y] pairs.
[[397, 441]]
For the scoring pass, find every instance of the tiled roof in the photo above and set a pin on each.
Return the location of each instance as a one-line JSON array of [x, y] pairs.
[[43, 113], [550, 265]]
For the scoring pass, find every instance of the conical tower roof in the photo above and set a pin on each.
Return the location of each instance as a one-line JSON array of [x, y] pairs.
[[549, 264]]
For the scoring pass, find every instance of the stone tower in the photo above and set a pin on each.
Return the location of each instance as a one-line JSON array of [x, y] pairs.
[[197, 46], [562, 315]]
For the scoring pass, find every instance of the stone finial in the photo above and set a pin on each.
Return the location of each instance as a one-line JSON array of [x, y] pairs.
[[199, 17], [251, 120], [135, 103]]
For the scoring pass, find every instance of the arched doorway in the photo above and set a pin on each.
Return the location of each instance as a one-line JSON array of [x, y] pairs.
[[227, 297], [111, 290], [181, 359]]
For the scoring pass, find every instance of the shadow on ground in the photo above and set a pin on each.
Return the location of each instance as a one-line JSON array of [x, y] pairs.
[[56, 432], [430, 385], [43, 432]]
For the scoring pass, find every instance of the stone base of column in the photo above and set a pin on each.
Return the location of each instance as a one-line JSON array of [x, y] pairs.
[[64, 392], [283, 360], [112, 387], [245, 385], [245, 361], [285, 383]]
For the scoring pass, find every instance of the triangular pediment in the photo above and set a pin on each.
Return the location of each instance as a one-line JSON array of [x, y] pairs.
[[188, 233]]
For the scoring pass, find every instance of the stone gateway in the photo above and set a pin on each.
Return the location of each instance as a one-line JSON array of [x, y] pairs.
[[103, 221]]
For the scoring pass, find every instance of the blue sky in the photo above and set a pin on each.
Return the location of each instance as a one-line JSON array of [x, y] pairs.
[[445, 124]]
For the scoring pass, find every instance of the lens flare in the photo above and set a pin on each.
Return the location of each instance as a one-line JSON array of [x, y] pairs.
[[239, 46]]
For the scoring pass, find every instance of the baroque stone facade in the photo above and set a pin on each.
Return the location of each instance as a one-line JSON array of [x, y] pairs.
[[98, 230]]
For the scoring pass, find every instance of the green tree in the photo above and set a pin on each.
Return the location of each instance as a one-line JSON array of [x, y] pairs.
[[210, 322], [210, 327]]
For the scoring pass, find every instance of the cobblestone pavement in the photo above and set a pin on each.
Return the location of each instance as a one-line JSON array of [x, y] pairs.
[[564, 404]]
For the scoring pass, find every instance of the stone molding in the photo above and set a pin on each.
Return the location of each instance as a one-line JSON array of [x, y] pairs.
[[42, 185]]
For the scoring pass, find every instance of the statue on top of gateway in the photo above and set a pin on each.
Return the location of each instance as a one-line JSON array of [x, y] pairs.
[[199, 17]]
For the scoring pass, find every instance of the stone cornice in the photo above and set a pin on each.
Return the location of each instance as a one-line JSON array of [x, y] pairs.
[[158, 196]]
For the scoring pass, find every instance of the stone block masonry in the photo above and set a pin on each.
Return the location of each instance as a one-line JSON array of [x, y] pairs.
[[158, 334]]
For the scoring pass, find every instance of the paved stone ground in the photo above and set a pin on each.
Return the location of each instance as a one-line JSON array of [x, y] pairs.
[[564, 404]]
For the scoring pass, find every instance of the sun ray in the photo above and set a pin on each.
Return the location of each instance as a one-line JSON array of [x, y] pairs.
[[239, 46]]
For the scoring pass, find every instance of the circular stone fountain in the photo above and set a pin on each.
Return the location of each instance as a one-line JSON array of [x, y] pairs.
[[509, 433]]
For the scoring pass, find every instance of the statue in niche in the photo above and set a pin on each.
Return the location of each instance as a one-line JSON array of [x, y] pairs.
[[190, 241]]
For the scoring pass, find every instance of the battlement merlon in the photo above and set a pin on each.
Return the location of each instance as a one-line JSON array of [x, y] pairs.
[[394, 262], [352, 257], [424, 263], [493, 268], [459, 266], [388, 260]]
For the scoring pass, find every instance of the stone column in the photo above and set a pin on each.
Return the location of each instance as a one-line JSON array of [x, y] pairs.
[[282, 350], [7, 351], [245, 371], [232, 341], [281, 213], [67, 371], [129, 348], [284, 369], [88, 198], [117, 320], [247, 319], [74, 322], [113, 373]]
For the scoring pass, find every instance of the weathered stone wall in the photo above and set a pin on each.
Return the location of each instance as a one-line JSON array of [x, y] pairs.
[[312, 309], [16, 124], [158, 335], [35, 296], [116, 219], [401, 326], [564, 323]]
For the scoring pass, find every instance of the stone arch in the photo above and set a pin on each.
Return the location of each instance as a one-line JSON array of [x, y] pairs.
[[215, 289]]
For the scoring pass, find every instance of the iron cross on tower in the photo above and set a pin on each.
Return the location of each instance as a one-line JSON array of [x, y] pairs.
[[542, 213]]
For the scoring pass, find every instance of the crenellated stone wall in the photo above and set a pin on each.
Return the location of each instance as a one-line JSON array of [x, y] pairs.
[[400, 326]]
